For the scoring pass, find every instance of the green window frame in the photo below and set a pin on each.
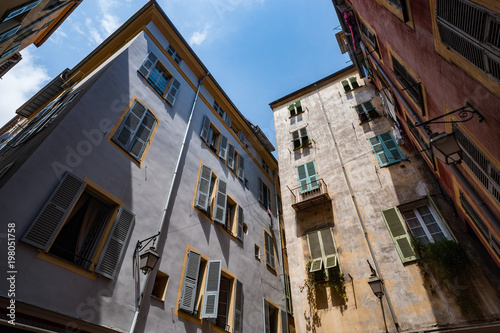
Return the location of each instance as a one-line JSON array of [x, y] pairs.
[[366, 111], [350, 84], [295, 109], [386, 149]]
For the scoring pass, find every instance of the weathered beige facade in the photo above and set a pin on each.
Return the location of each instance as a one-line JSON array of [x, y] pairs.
[[361, 196]]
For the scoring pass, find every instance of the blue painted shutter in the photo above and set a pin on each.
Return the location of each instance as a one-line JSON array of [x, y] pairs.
[[391, 148], [52, 216], [9, 33], [173, 91], [148, 64], [239, 230], [21, 10], [228, 120], [303, 179], [108, 264], [10, 51], [399, 234], [190, 282], [378, 149], [238, 308], [221, 202], [203, 193], [312, 176], [205, 128], [212, 285], [223, 147]]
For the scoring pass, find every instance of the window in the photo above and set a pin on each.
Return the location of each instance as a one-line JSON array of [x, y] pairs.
[[272, 318], [159, 78], [308, 178], [400, 8], [10, 51], [241, 167], [480, 166], [216, 296], [472, 31], [171, 51], [265, 166], [257, 252], [206, 182], [300, 138], [369, 35], [409, 84], [231, 164], [350, 84], [9, 33], [322, 250], [242, 137], [386, 150], [424, 225], [160, 286], [136, 130], [269, 246], [219, 110], [72, 226], [20, 10], [211, 135], [54, 4], [420, 139], [264, 195], [295, 109], [366, 112]]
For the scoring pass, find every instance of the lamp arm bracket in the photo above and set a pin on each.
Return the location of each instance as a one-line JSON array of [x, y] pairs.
[[139, 246], [465, 113]]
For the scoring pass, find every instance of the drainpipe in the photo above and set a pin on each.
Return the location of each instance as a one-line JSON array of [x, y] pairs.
[[360, 218], [167, 202]]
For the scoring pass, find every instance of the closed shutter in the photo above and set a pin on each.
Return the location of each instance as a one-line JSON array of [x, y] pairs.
[[238, 308], [296, 140], [391, 148], [223, 147], [227, 119], [205, 128], [130, 125], [116, 244], [312, 176], [269, 245], [239, 230], [314, 244], [221, 202], [190, 282], [241, 167], [303, 180], [212, 285], [288, 295], [21, 10], [378, 149], [148, 64], [173, 91], [203, 193], [261, 191], [308, 179], [265, 314], [142, 135], [329, 248], [284, 321], [399, 234], [52, 216], [230, 156]]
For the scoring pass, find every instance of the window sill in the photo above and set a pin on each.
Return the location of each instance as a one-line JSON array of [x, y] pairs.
[[295, 115], [66, 265]]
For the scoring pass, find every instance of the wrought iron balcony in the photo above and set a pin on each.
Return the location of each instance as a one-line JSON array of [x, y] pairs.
[[309, 194]]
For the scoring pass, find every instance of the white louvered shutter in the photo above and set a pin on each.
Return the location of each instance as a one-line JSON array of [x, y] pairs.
[[148, 64], [241, 167], [173, 91], [203, 193], [212, 285], [49, 221], [205, 128], [108, 264], [239, 230], [265, 314], [190, 282], [284, 321], [223, 147], [221, 202], [314, 243], [330, 256], [130, 125], [230, 156], [261, 191], [238, 308]]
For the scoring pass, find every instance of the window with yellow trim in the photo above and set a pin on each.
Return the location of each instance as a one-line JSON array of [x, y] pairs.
[[400, 8], [409, 83], [369, 36], [270, 251]]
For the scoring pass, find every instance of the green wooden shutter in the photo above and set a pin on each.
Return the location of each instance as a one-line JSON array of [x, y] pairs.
[[284, 321], [346, 85], [221, 202], [212, 285], [354, 82], [205, 128], [330, 258], [391, 149], [241, 167], [399, 234], [379, 151], [291, 108], [230, 156], [203, 193], [148, 64], [223, 147], [298, 107], [302, 176], [288, 295], [23, 9], [265, 315], [314, 244], [190, 282], [239, 230], [173, 91], [116, 244], [49, 221], [238, 308], [312, 176]]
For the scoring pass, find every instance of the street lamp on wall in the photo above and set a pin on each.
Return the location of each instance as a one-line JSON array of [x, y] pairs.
[[150, 257], [376, 284]]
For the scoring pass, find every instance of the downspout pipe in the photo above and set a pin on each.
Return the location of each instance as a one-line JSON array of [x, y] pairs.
[[360, 218], [169, 198]]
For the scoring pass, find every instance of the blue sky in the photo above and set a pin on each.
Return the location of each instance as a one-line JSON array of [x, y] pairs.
[[258, 50]]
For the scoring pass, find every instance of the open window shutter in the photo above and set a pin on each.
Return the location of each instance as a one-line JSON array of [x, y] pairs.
[[288, 293], [190, 282], [271, 253], [241, 167], [130, 125], [173, 91], [268, 240], [330, 259], [284, 321], [148, 64], [212, 285], [205, 128], [368, 106], [242, 137], [291, 108], [238, 307], [391, 148], [268, 198], [261, 191], [239, 231], [303, 180], [312, 177], [223, 147], [265, 314], [304, 138], [399, 234], [203, 193], [346, 85], [314, 244], [230, 156], [220, 203], [21, 10], [298, 107], [379, 151], [296, 139], [354, 82], [52, 216], [116, 244], [141, 138]]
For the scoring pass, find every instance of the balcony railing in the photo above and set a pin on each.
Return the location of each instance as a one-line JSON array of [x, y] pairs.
[[309, 194]]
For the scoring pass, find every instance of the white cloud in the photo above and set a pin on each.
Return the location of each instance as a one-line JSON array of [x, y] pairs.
[[93, 33], [58, 36], [20, 84], [109, 23], [106, 5], [199, 37]]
